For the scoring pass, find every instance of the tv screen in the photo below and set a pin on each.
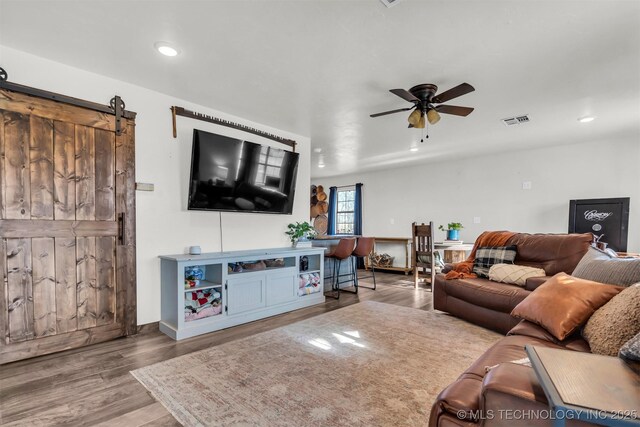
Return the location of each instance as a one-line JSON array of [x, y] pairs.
[[230, 174]]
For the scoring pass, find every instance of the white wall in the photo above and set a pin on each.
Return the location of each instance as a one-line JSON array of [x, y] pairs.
[[164, 226], [490, 187]]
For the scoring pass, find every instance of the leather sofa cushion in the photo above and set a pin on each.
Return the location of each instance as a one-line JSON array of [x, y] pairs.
[[515, 380], [464, 394], [551, 252], [461, 395], [507, 349], [563, 303], [485, 293], [574, 342]]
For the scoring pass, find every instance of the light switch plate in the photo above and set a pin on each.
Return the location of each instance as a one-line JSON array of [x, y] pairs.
[[476, 220], [144, 186], [526, 185]]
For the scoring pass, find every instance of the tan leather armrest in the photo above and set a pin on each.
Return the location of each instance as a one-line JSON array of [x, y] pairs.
[[533, 282], [530, 329], [511, 387]]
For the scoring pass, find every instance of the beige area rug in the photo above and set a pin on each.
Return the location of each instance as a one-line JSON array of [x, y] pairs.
[[368, 364]]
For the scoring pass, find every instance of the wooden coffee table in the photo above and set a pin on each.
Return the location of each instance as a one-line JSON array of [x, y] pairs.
[[599, 389]]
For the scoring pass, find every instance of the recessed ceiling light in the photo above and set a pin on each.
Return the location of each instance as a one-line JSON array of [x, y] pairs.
[[413, 149], [167, 49], [320, 165], [586, 119], [317, 150]]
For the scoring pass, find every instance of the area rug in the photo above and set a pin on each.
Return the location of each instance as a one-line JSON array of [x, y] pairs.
[[368, 364]]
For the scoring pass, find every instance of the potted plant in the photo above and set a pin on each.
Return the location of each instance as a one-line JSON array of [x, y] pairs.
[[453, 230], [299, 232]]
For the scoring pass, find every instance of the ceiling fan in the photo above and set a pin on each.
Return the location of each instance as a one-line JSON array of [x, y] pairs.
[[424, 98]]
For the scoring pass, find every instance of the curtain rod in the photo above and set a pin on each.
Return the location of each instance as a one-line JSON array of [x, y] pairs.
[[345, 186]]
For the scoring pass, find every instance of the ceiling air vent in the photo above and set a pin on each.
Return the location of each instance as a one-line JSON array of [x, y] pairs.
[[517, 120], [390, 3]]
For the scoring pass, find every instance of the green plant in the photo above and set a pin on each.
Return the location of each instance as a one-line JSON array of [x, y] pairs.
[[452, 226], [299, 230]]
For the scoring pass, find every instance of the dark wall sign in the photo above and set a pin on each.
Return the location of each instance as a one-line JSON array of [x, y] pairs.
[[607, 219]]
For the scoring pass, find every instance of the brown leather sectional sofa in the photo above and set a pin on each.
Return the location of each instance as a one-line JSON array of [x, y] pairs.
[[488, 303], [497, 398], [509, 394]]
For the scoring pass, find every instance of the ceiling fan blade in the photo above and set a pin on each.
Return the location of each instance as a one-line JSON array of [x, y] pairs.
[[454, 109], [404, 95], [390, 112], [455, 92]]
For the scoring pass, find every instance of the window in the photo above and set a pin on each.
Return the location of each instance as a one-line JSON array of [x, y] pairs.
[[345, 211], [269, 167]]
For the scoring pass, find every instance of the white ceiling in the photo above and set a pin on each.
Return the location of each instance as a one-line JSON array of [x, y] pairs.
[[319, 68]]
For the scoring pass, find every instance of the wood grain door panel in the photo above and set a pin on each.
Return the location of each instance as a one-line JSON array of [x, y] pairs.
[[68, 271]]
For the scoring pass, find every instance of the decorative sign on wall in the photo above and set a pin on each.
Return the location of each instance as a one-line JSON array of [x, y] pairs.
[[607, 219]]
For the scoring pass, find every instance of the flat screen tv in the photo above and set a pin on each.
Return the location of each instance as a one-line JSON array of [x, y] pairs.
[[230, 174]]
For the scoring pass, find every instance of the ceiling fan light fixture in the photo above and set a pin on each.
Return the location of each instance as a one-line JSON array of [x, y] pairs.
[[421, 123], [433, 116], [414, 117]]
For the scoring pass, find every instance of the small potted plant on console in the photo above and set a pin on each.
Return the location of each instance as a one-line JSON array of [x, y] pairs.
[[299, 234], [453, 230]]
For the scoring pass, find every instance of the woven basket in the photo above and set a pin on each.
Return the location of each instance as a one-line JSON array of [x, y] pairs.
[[381, 260]]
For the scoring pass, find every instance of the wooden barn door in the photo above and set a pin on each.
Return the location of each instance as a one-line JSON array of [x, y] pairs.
[[67, 226]]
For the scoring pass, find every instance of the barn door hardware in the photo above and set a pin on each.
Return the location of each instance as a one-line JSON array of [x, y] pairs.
[[121, 228], [116, 106]]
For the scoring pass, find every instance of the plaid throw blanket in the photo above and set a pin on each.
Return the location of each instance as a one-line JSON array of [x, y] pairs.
[[464, 270]]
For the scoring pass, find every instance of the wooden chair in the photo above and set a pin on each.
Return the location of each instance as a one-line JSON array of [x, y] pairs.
[[423, 252]]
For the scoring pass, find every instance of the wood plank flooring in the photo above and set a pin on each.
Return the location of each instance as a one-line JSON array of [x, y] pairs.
[[92, 385]]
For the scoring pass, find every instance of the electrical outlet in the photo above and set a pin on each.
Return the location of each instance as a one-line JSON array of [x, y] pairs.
[[392, 221], [526, 185], [476, 220]]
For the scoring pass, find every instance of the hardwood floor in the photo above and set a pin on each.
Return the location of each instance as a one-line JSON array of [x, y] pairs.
[[92, 385]]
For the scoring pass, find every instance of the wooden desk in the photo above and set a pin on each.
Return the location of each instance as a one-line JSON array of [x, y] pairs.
[[599, 389], [404, 241]]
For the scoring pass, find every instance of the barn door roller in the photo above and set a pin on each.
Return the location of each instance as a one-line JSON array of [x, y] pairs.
[[116, 105]]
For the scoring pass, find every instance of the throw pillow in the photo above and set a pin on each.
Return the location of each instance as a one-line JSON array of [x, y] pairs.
[[601, 267], [631, 349], [614, 323], [513, 274], [563, 303], [488, 256]]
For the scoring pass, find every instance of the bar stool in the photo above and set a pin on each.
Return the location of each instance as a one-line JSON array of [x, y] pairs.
[[363, 249], [342, 251]]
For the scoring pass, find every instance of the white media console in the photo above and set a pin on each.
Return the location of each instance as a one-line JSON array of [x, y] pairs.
[[236, 287]]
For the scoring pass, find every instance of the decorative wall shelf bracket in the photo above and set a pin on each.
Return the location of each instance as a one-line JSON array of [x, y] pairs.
[[115, 107], [179, 111]]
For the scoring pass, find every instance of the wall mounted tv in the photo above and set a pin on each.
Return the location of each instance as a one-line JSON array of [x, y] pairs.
[[230, 174]]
